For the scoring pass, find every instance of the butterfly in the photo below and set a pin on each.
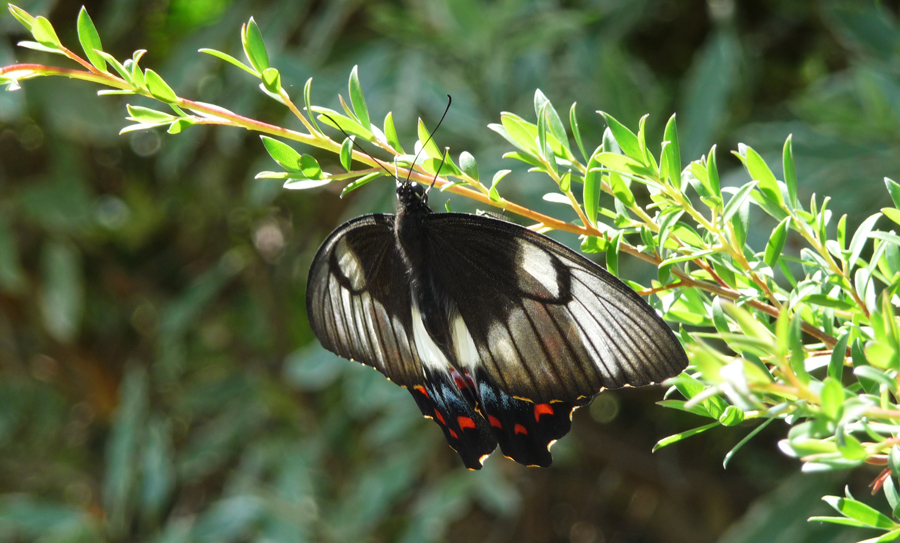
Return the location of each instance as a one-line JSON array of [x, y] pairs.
[[498, 332]]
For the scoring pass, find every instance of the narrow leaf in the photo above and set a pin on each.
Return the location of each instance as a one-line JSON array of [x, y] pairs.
[[673, 154], [468, 165], [22, 16], [760, 171], [858, 242], [776, 242], [740, 197], [159, 89], [90, 40], [790, 173], [254, 46], [358, 100], [390, 132], [230, 59], [624, 137], [894, 190], [282, 153], [271, 80], [43, 32], [576, 133], [713, 172], [591, 191], [347, 153]]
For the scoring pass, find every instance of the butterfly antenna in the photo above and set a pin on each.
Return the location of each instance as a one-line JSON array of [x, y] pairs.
[[430, 137], [433, 181], [353, 141]]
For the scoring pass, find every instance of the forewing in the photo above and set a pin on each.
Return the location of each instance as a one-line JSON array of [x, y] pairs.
[[548, 324], [358, 301]]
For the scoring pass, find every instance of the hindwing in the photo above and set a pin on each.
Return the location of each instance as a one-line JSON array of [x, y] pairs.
[[548, 324]]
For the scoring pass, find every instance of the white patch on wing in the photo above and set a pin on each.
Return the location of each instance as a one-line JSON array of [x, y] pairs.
[[350, 265], [501, 344], [463, 344], [429, 353], [539, 264]]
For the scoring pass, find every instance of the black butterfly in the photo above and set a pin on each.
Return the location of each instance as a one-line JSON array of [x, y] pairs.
[[497, 331]]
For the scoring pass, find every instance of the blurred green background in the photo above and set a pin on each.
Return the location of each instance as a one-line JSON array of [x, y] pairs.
[[158, 380]]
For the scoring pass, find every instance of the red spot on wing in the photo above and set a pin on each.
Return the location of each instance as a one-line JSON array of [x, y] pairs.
[[495, 422], [439, 417], [465, 422], [542, 409], [521, 430], [420, 388], [452, 433]]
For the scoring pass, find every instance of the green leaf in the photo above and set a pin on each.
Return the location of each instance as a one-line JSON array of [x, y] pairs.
[[672, 155], [827, 301], [310, 167], [859, 511], [334, 119], [894, 190], [358, 100], [621, 191], [892, 213], [43, 32], [429, 146], [230, 59], [612, 254], [760, 171], [306, 184], [625, 138], [732, 416], [90, 40], [519, 133], [554, 123], [254, 46], [683, 435], [282, 153], [468, 165], [360, 182], [790, 173], [737, 201], [126, 75], [576, 133], [542, 135], [347, 153], [832, 398], [180, 125], [713, 173], [22, 16], [591, 191], [307, 100], [493, 194], [137, 75], [858, 242], [836, 363], [159, 89], [390, 132], [666, 220], [776, 242], [271, 80], [36, 47], [141, 114]]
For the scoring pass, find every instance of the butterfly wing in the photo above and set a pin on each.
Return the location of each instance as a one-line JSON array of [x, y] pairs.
[[548, 324], [359, 306]]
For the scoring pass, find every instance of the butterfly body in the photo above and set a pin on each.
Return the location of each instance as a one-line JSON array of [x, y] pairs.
[[498, 332]]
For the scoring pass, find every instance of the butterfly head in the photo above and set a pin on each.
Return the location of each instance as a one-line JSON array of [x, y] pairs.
[[411, 194]]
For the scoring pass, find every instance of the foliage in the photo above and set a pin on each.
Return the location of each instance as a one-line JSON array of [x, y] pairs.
[[805, 336]]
